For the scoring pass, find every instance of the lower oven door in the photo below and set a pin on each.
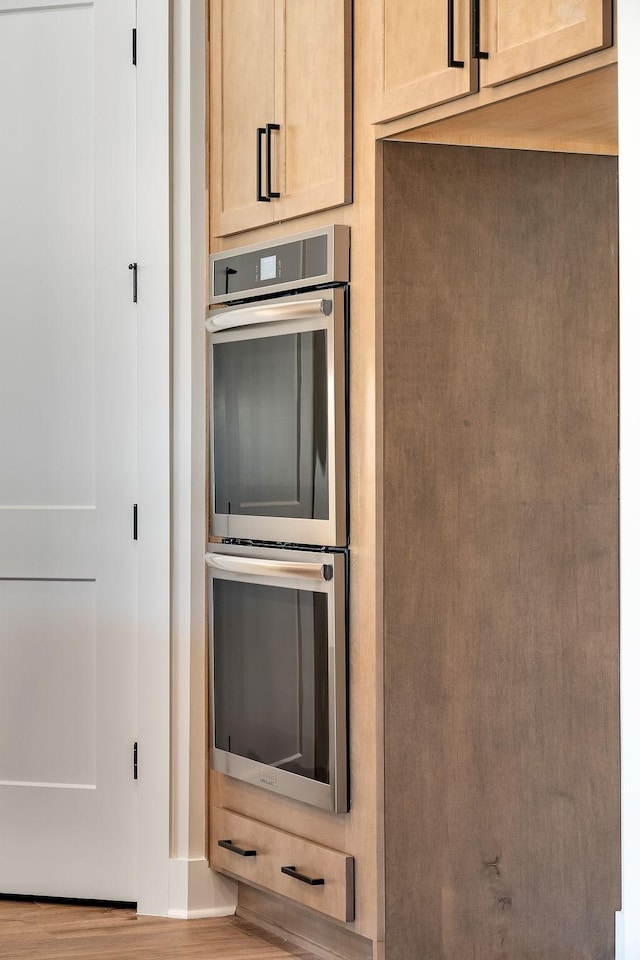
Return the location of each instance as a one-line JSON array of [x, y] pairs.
[[277, 628]]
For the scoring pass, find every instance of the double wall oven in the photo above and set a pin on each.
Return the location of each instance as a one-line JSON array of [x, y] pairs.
[[277, 559]]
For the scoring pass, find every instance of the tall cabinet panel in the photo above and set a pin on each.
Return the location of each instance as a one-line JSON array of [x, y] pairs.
[[502, 772], [242, 101], [280, 110]]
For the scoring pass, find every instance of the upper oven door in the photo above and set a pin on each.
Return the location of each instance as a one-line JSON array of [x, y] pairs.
[[278, 420]]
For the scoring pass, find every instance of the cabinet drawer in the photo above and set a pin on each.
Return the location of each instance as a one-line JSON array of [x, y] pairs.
[[315, 876]]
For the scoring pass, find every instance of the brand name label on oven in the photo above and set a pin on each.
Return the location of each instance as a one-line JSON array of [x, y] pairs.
[[268, 777]]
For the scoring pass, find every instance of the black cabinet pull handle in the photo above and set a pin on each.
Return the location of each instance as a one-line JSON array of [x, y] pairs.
[[451, 61], [260, 196], [477, 53], [292, 872], [270, 128], [230, 845]]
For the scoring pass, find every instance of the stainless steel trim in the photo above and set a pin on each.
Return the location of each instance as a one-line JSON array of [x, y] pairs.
[[268, 313], [274, 568], [282, 782], [332, 796]]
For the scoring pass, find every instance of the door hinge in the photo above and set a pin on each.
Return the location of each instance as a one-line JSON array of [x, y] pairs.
[[135, 521], [134, 267], [135, 760], [134, 47]]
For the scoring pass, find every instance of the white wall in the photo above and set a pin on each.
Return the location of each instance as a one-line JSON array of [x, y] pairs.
[[628, 945], [194, 890], [154, 393]]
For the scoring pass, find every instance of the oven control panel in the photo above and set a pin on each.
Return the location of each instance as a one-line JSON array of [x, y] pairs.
[[316, 258]]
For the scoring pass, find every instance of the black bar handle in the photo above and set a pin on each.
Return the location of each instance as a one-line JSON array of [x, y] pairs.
[[230, 845], [270, 128], [134, 291], [260, 196], [477, 53], [292, 872], [451, 61]]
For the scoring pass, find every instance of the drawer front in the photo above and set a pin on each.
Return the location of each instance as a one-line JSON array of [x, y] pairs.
[[313, 875]]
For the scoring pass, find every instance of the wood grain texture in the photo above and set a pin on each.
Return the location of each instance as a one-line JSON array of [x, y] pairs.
[[300, 77], [500, 554], [275, 849], [242, 32], [309, 930], [578, 115], [412, 56], [52, 932], [314, 106], [505, 91], [523, 36]]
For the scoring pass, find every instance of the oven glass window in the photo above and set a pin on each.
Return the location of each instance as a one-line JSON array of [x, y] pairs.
[[270, 426], [271, 699]]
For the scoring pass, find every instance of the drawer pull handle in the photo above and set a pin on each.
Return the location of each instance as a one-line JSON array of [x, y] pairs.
[[292, 872], [230, 845]]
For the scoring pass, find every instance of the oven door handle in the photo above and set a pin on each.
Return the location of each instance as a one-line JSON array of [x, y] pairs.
[[270, 568], [270, 312]]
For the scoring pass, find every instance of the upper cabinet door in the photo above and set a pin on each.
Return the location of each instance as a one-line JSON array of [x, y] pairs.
[[242, 103], [425, 55], [314, 156], [522, 36], [282, 67]]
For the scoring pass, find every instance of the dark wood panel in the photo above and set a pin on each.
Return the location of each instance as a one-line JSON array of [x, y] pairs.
[[500, 554], [299, 925]]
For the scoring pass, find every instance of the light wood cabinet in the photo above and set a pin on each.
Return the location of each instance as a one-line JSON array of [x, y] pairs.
[[523, 36], [445, 49], [308, 873], [281, 110], [244, 102], [425, 55]]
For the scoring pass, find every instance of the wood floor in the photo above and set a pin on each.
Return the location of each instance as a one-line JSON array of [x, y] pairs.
[[45, 931]]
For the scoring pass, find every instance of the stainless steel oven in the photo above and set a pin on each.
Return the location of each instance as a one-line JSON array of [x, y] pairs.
[[277, 628], [278, 390]]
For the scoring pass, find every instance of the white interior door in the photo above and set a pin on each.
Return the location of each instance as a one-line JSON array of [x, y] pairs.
[[67, 449]]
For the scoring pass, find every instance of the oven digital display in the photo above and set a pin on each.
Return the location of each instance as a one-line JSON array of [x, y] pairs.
[[268, 268]]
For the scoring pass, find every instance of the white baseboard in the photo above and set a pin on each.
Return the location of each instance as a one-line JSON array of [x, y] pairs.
[[196, 891], [200, 914]]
